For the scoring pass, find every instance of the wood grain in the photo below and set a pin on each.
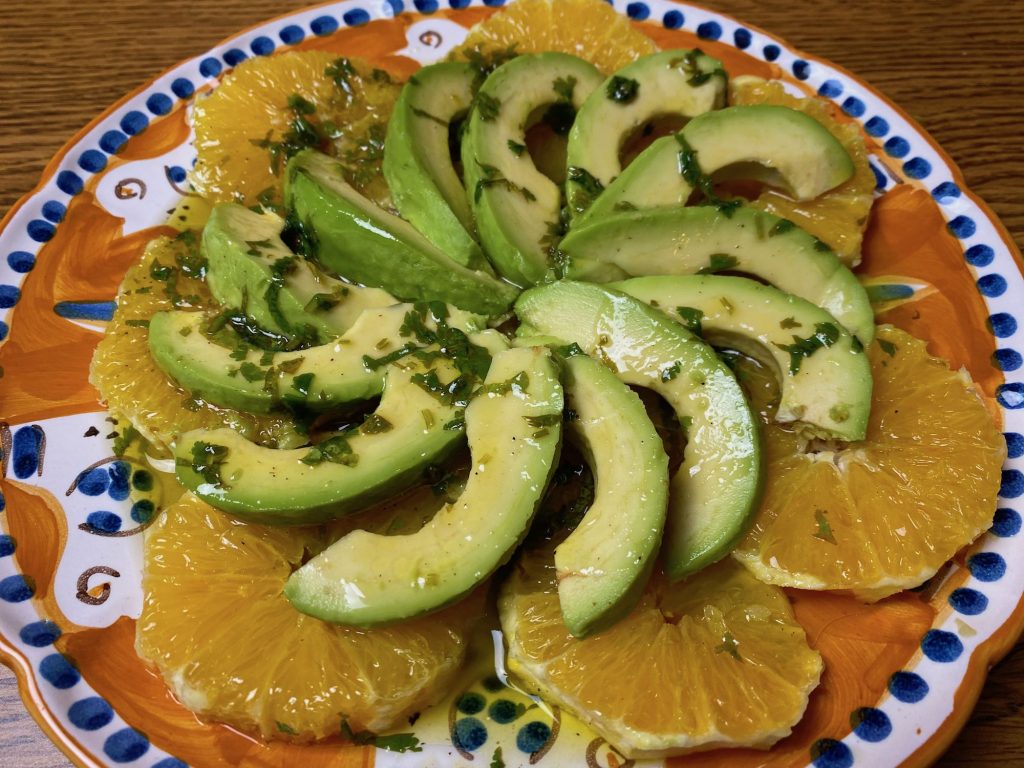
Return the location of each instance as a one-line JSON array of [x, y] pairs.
[[953, 66]]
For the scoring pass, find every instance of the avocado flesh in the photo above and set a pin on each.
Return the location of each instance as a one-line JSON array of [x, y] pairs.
[[776, 145], [715, 490], [275, 487], [830, 391], [241, 248], [417, 162], [366, 579], [201, 365], [370, 246], [517, 208], [683, 241], [674, 82], [602, 567]]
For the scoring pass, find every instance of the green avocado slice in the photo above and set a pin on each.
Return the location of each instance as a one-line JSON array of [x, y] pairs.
[[250, 268], [603, 565], [417, 162], [517, 208], [779, 146], [824, 374], [410, 429], [514, 426], [704, 238], [223, 371], [363, 243], [675, 82], [715, 490]]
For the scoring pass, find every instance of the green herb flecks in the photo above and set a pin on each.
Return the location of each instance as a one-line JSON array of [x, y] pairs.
[[668, 373], [824, 336], [208, 460], [588, 187], [564, 87], [691, 318], [730, 645], [493, 178], [395, 742], [487, 106], [336, 450], [781, 227], [375, 425], [622, 89], [251, 372], [788, 323], [824, 532], [544, 420], [718, 262]]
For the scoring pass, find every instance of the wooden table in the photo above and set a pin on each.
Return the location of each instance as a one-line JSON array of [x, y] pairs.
[[955, 67]]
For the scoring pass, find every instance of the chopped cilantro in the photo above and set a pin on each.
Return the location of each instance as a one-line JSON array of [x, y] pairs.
[[824, 528], [208, 460], [691, 318], [487, 107], [589, 187], [781, 227], [335, 450], [825, 335], [375, 425], [564, 87], [251, 372], [302, 383], [730, 645], [672, 371], [622, 89], [788, 323], [718, 262]]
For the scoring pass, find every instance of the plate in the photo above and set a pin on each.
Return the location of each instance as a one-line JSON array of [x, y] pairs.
[[900, 674]]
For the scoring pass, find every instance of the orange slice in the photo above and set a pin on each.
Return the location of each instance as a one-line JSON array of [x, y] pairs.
[[715, 660], [229, 644], [839, 216], [590, 29], [880, 515]]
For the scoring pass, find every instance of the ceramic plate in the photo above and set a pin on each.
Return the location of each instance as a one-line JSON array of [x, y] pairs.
[[901, 675]]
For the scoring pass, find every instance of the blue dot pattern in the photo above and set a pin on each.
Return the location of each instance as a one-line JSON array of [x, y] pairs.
[[58, 672], [70, 183], [946, 191], [992, 285], [871, 724], [91, 714], [120, 480], [21, 261], [1012, 484], [638, 11], [962, 227], [111, 142], [41, 231], [1007, 522], [1006, 359], [829, 753], [979, 255], [54, 211], [969, 602], [801, 69], [15, 589], [853, 106], [106, 522], [94, 482], [134, 123], [877, 127], [987, 566], [262, 46], [235, 56], [126, 745], [742, 38], [673, 20], [323, 25], [772, 52], [908, 687], [7, 545], [469, 734], [159, 104], [425, 6], [1011, 396], [941, 646], [709, 30], [209, 67], [39, 634], [533, 736], [9, 296], [503, 711], [897, 147], [1002, 324], [830, 89], [183, 88], [1014, 444], [92, 160], [292, 34], [356, 17], [142, 511], [917, 168], [470, 703], [170, 762]]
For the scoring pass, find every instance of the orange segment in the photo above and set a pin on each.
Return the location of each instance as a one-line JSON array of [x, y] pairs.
[[590, 29], [250, 110], [883, 514], [217, 626], [716, 660], [839, 216], [128, 379]]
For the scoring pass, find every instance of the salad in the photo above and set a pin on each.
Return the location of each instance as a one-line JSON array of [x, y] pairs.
[[564, 343]]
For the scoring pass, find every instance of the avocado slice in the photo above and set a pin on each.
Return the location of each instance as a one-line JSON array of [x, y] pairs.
[[517, 208], [603, 565], [779, 146], [513, 426], [824, 375], [365, 244], [249, 267], [411, 428], [417, 161], [704, 238], [222, 370], [715, 490], [674, 82]]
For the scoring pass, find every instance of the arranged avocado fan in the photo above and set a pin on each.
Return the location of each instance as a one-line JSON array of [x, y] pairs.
[[510, 363]]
